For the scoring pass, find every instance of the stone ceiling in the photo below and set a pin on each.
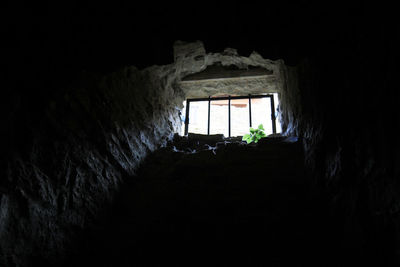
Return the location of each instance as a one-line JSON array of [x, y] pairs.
[[213, 74]]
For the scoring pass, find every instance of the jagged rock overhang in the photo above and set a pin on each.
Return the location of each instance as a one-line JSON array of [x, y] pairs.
[[233, 86], [204, 75]]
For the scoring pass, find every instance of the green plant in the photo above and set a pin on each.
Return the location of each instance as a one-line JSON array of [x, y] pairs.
[[255, 134]]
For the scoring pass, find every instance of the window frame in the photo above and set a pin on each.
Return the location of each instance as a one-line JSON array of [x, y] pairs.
[[229, 98]]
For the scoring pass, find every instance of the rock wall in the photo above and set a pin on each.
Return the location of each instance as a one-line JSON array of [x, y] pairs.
[[69, 149], [192, 58], [345, 111], [68, 152], [89, 138]]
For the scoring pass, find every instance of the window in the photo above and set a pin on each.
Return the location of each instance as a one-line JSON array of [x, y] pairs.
[[230, 115]]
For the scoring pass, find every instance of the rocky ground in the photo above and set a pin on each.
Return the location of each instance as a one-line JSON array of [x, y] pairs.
[[215, 202]]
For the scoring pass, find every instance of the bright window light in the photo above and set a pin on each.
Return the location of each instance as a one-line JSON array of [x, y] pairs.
[[230, 115]]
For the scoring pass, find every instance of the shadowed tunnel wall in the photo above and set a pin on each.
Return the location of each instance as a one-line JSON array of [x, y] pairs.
[[346, 113], [68, 146], [71, 159]]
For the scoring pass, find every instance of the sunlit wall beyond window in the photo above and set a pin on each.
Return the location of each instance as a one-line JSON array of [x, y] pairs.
[[261, 114], [219, 117], [240, 119], [198, 117]]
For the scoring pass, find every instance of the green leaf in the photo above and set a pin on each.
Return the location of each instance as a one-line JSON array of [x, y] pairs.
[[255, 134], [246, 136]]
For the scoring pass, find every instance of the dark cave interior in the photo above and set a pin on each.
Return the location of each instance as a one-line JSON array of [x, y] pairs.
[[93, 174]]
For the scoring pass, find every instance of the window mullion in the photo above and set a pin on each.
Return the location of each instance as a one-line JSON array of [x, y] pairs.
[[187, 117], [250, 109], [273, 118], [208, 124], [229, 116]]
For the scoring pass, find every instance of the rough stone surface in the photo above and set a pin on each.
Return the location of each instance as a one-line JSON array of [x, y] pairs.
[[214, 202], [87, 142], [67, 155], [234, 86], [193, 60], [82, 142], [346, 123]]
